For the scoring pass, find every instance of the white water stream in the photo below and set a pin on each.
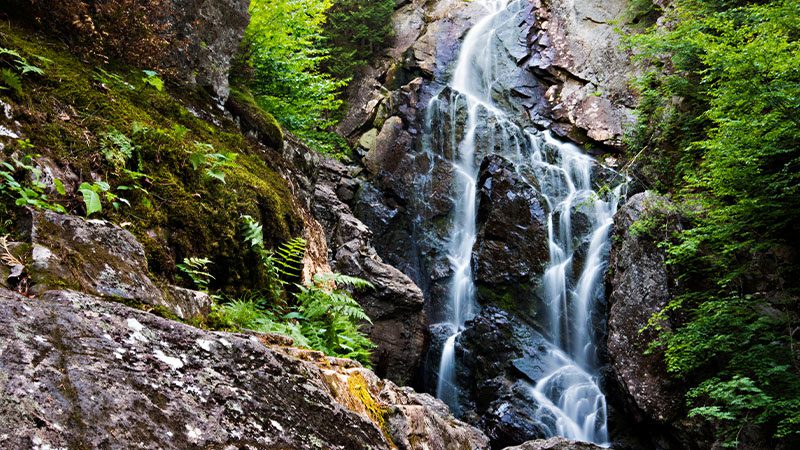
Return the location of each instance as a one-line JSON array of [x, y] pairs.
[[473, 125]]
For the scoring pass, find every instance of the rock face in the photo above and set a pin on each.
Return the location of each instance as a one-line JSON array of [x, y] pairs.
[[396, 304], [639, 286], [100, 258], [213, 30], [81, 372], [192, 41], [576, 50], [511, 247]]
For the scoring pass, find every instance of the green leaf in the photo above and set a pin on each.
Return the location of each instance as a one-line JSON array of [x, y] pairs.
[[59, 186], [90, 198]]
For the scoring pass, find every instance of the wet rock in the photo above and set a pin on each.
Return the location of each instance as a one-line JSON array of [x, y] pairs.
[[81, 372], [510, 252], [555, 443], [396, 304], [499, 360], [639, 285]]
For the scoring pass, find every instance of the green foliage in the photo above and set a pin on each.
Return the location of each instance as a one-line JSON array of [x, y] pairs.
[[116, 148], [196, 269], [30, 191], [92, 193], [253, 234], [212, 163], [152, 79], [356, 31], [17, 65], [329, 317], [283, 48], [323, 317], [718, 127], [289, 257]]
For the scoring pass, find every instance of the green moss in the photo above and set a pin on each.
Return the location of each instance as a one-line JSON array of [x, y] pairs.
[[254, 119], [376, 412], [65, 111]]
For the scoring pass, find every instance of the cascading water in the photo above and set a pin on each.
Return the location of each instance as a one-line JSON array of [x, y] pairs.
[[467, 123]]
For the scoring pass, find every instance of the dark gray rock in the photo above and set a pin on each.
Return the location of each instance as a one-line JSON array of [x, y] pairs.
[[639, 285], [499, 360], [510, 251], [79, 372], [396, 304]]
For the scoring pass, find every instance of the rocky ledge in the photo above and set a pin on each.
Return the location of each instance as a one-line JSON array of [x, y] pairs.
[[81, 372]]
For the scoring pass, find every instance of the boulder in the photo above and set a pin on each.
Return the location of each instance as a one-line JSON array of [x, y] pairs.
[[80, 372], [100, 258], [555, 443], [499, 360]]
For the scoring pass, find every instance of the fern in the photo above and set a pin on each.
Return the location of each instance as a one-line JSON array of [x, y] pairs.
[[253, 232], [10, 80], [117, 148], [196, 269], [289, 257]]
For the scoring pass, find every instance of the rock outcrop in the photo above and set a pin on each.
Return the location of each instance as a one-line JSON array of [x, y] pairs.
[[77, 371], [510, 251], [97, 257], [396, 304], [639, 285], [576, 50], [556, 443]]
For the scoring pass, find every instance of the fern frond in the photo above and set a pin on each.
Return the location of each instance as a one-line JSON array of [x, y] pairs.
[[289, 257], [341, 279]]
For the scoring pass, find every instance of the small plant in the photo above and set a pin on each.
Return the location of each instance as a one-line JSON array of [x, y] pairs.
[[28, 194], [289, 257], [117, 148], [196, 269], [152, 79], [329, 316], [282, 266], [210, 162], [92, 193], [18, 65]]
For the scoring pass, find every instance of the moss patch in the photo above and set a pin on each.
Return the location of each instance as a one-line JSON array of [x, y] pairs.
[[178, 211], [376, 412]]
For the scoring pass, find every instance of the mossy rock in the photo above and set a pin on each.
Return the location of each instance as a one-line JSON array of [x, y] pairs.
[[254, 119], [176, 210]]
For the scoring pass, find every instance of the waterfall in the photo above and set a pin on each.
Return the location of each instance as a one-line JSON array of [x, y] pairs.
[[465, 123]]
